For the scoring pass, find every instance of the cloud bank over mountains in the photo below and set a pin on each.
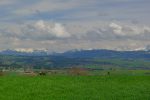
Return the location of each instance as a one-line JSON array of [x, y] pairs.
[[61, 25], [39, 30]]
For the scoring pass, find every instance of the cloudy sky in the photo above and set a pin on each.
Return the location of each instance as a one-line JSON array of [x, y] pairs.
[[60, 25]]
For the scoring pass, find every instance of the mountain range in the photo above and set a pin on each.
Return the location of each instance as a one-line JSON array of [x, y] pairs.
[[95, 53]]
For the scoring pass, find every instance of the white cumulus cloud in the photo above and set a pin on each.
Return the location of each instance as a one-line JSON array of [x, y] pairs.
[[128, 29], [116, 28], [38, 30], [55, 29]]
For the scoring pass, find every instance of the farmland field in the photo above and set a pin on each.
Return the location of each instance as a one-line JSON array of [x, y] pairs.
[[67, 87]]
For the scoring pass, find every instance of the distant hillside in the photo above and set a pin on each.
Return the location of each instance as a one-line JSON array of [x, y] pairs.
[[107, 54], [102, 53], [17, 53], [95, 59]]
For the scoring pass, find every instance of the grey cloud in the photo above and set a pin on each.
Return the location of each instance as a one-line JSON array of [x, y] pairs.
[[115, 31], [45, 34], [39, 30]]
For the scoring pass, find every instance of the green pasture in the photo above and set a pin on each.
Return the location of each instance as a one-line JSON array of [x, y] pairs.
[[75, 87]]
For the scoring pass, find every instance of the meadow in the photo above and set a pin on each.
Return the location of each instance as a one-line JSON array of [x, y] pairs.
[[75, 87]]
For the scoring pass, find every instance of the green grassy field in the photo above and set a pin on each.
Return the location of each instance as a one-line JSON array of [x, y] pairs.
[[65, 87]]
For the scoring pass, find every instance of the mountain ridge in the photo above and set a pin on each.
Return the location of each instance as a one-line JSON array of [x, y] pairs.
[[95, 53]]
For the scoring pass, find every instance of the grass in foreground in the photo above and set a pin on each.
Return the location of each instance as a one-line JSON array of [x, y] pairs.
[[61, 87]]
